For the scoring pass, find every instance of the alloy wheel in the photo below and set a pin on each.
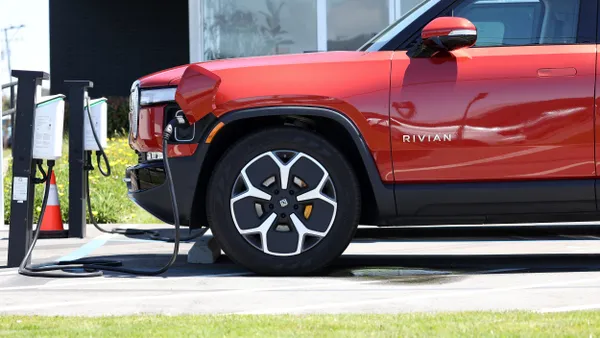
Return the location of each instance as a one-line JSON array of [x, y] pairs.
[[283, 202]]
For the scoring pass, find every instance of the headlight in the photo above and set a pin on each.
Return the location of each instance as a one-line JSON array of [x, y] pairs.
[[152, 96], [134, 108]]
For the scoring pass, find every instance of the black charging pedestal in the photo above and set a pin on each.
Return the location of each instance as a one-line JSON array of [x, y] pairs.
[[24, 170], [77, 198]]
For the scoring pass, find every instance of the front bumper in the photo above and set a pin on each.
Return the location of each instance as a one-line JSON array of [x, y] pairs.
[[148, 187]]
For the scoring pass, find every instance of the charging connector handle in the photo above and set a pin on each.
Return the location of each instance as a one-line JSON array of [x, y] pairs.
[[179, 120]]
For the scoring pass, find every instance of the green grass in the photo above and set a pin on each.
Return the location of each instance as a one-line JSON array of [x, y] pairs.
[[488, 324], [108, 195], [6, 153]]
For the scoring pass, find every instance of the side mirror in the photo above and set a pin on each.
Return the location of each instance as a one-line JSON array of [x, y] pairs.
[[449, 33]]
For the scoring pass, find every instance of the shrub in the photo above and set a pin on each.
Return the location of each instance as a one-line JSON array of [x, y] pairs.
[[118, 115], [110, 203]]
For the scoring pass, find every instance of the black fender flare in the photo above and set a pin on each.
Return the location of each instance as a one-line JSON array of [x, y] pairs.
[[384, 193]]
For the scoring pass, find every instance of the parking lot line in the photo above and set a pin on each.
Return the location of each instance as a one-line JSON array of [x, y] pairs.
[[120, 298], [84, 281], [8, 271], [88, 248], [344, 305]]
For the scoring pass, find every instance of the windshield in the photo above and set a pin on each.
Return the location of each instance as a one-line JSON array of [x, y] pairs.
[[394, 29]]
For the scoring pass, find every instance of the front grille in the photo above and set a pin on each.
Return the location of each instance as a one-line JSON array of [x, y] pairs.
[[147, 178]]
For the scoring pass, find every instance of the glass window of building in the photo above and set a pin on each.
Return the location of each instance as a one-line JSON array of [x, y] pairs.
[[237, 28], [351, 23], [407, 5]]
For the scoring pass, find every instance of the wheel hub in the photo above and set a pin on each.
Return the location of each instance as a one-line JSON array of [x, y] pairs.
[[283, 203], [286, 204]]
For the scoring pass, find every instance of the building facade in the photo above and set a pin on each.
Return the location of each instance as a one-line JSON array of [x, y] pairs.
[[114, 42], [236, 28]]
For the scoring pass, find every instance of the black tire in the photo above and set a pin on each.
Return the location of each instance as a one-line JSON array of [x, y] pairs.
[[342, 176]]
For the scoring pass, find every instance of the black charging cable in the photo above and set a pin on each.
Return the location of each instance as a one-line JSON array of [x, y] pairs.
[[42, 270], [45, 176], [154, 235], [95, 267]]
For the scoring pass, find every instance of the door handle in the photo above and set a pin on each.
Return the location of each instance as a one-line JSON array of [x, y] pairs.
[[556, 72]]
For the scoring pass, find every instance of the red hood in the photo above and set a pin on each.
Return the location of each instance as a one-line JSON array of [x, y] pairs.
[[171, 77]]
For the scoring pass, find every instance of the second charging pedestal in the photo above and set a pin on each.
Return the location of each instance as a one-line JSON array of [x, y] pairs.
[[98, 110]]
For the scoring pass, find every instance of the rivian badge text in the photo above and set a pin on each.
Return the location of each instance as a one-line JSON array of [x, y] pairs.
[[427, 138]]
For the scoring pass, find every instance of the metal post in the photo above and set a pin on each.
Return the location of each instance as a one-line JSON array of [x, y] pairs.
[[7, 49], [23, 192], [77, 199], [12, 105], [8, 54]]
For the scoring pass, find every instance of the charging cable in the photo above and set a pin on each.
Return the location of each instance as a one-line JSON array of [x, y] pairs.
[[95, 267], [44, 175], [154, 235]]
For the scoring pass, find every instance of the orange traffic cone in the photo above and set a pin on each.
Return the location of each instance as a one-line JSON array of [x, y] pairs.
[[52, 224]]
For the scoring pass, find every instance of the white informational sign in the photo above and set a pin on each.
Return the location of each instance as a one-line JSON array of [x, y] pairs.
[[20, 186]]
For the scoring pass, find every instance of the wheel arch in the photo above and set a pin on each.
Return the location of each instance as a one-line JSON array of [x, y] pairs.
[[378, 198]]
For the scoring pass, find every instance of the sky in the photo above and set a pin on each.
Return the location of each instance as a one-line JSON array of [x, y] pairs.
[[30, 45]]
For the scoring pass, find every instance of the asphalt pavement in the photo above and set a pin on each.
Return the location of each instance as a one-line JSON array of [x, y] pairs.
[[427, 269]]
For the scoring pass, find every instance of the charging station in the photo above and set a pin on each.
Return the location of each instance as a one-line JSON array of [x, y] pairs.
[[39, 137], [77, 197], [24, 167]]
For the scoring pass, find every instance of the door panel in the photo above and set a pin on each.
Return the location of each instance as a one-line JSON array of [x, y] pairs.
[[597, 122], [494, 113]]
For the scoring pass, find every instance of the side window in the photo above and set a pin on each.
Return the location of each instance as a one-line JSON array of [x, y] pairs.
[[522, 22]]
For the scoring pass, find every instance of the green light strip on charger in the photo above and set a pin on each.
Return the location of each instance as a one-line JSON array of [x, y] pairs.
[[45, 103]]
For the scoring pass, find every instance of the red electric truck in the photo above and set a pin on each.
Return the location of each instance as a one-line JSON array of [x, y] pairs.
[[467, 111]]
